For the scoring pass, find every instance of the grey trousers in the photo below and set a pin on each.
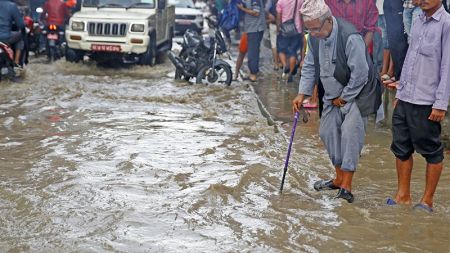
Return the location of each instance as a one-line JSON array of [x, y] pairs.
[[342, 130]]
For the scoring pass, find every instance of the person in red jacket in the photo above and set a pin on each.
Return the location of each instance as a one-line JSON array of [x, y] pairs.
[[55, 12]]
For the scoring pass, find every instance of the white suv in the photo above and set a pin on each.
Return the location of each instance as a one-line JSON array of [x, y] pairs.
[[187, 16], [130, 30]]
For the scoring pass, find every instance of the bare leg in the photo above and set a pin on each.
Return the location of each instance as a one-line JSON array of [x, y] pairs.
[[391, 67], [404, 169], [339, 176], [432, 178], [292, 62], [17, 57], [283, 59], [239, 62], [275, 58], [386, 58], [347, 177], [314, 99]]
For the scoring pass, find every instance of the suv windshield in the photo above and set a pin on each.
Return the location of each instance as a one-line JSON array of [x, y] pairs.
[[119, 3], [182, 3]]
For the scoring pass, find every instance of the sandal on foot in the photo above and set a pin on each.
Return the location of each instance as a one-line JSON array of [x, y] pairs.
[[253, 78], [423, 207], [322, 185], [391, 202], [344, 194]]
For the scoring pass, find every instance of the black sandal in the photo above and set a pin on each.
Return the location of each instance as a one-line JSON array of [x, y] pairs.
[[344, 194], [322, 185]]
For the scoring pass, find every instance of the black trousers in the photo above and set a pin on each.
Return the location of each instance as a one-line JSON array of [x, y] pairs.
[[413, 131]]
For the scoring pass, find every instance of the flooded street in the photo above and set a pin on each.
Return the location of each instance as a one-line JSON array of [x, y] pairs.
[[107, 160]]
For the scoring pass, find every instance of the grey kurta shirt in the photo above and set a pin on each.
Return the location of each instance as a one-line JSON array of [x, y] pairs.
[[355, 51]]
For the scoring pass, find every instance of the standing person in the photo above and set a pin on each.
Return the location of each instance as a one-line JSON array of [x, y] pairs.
[[243, 49], [421, 102], [9, 13], [271, 20], [55, 12], [289, 46], [411, 11], [363, 14], [398, 43], [341, 51], [254, 25], [219, 5], [382, 55], [387, 67]]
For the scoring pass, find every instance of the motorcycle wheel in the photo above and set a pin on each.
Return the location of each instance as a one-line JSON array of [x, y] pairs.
[[221, 74], [179, 76], [52, 54]]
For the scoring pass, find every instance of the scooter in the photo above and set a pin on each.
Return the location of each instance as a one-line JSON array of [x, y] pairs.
[[6, 62], [55, 45]]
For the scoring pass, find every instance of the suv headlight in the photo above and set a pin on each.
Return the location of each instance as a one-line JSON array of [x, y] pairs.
[[137, 28], [77, 26]]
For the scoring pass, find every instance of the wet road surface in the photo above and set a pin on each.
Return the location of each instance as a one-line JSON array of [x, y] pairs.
[[104, 160]]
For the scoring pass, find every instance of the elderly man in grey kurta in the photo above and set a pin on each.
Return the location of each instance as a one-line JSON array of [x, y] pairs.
[[342, 128]]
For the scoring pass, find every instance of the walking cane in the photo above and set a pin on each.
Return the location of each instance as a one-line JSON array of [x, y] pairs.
[[289, 150]]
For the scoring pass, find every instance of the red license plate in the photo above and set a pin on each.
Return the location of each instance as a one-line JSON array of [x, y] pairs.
[[106, 48], [52, 36]]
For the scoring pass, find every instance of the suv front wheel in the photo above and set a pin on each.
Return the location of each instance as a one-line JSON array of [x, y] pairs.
[[73, 55], [149, 57]]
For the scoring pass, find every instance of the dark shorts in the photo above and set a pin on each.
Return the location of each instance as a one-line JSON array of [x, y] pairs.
[[413, 131], [289, 45]]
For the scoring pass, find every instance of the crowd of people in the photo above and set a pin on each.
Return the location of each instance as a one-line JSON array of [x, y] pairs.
[[351, 43]]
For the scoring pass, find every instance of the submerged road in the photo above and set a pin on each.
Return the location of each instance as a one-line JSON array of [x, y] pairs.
[[106, 160]]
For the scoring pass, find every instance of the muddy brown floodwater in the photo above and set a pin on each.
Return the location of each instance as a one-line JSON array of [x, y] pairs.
[[106, 160]]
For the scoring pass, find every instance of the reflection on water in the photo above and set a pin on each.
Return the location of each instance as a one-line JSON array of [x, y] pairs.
[[101, 160]]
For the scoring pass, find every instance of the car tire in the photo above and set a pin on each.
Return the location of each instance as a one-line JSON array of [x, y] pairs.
[[149, 57], [73, 55], [170, 40]]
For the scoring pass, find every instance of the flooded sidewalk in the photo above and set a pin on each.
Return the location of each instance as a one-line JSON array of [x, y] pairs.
[[368, 224]]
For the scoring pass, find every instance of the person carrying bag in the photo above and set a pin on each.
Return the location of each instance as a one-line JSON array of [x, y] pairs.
[[288, 28]]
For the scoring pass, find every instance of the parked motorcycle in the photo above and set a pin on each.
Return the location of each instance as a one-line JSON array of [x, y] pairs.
[[55, 42], [6, 61], [199, 57]]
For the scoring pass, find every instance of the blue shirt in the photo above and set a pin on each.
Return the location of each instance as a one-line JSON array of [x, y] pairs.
[[356, 59], [9, 12], [425, 78]]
